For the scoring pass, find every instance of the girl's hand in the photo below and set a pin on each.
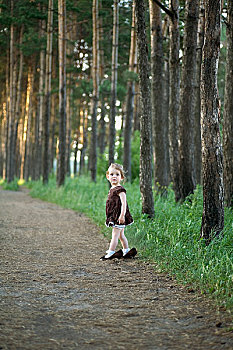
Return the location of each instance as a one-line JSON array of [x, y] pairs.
[[121, 219]]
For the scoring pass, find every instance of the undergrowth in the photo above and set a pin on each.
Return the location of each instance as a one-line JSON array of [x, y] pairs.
[[171, 239]]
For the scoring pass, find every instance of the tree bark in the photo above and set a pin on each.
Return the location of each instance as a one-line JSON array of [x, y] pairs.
[[174, 83], [145, 119], [11, 123], [130, 100], [61, 171], [18, 97], [197, 118], [158, 120], [112, 131], [95, 94], [186, 122], [228, 113], [213, 197], [27, 123], [39, 127], [47, 99]]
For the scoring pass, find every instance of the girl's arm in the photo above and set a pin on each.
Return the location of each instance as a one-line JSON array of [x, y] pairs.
[[121, 219]]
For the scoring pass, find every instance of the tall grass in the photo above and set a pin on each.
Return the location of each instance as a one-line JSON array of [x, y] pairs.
[[171, 239]]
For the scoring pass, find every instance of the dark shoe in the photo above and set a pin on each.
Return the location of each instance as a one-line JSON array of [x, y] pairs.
[[116, 255], [131, 254]]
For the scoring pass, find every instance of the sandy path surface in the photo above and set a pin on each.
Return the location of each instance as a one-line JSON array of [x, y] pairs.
[[56, 293]]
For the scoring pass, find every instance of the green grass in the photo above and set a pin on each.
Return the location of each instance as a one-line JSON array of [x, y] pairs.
[[12, 186], [171, 239]]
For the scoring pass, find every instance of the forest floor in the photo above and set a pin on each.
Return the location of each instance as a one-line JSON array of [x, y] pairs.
[[57, 294]]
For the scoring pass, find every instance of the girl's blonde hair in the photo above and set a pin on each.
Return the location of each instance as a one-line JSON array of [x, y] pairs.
[[117, 167]]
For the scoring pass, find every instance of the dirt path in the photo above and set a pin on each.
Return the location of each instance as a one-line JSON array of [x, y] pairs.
[[57, 294]]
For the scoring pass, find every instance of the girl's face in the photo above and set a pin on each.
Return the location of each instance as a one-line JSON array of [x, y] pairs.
[[114, 176]]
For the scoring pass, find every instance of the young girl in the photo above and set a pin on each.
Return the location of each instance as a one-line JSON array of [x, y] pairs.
[[117, 213]]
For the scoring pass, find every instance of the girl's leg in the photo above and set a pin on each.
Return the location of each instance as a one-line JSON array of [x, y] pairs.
[[115, 236], [123, 239]]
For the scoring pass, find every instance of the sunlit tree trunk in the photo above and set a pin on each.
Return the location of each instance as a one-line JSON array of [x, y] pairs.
[[27, 123], [61, 170], [186, 113], [130, 100], [145, 119], [47, 99], [213, 197], [112, 131], [95, 94], [84, 139], [228, 112], [174, 83], [158, 120]]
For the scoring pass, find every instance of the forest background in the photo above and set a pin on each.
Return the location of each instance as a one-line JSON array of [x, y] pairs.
[[83, 86]]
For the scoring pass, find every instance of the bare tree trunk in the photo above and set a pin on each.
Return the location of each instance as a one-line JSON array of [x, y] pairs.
[[39, 126], [61, 171], [213, 197], [84, 141], [18, 97], [95, 95], [166, 91], [186, 122], [174, 82], [112, 131], [10, 145], [197, 119], [145, 119], [47, 99], [102, 132], [27, 124], [137, 108], [54, 100], [102, 126], [130, 100], [228, 113], [158, 123]]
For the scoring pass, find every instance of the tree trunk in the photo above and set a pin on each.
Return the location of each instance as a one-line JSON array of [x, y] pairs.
[[158, 122], [27, 124], [166, 121], [54, 100], [174, 82], [102, 126], [10, 145], [61, 171], [112, 131], [18, 97], [145, 119], [228, 113], [130, 100], [39, 123], [47, 99], [95, 94], [197, 122], [102, 132], [213, 197], [84, 140], [186, 122]]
